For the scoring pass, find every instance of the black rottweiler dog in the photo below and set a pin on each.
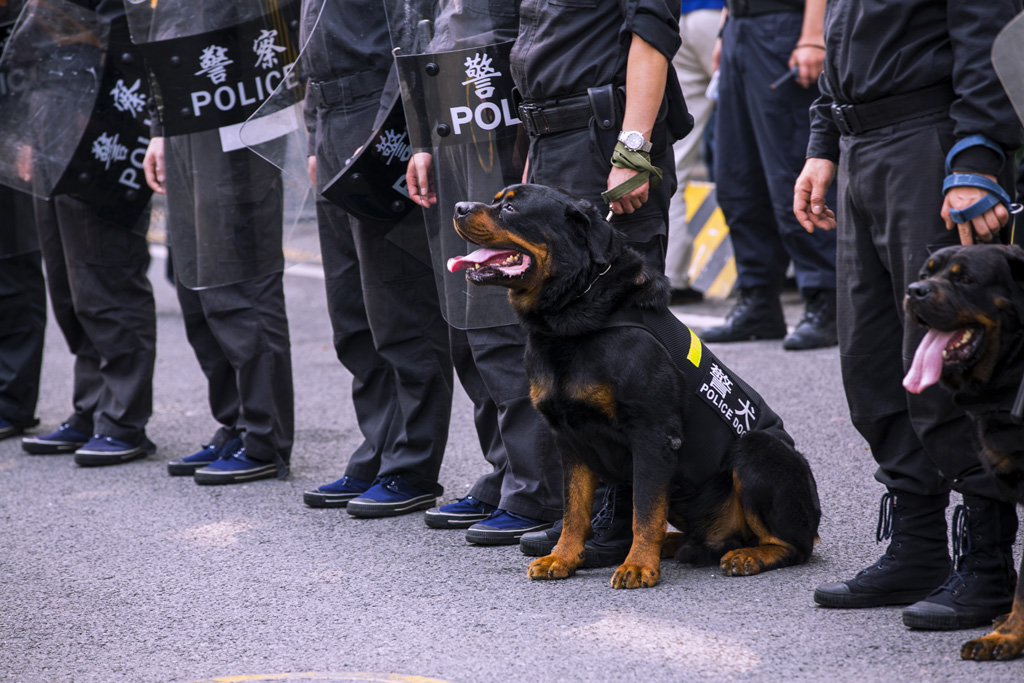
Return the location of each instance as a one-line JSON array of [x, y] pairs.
[[633, 396], [971, 299]]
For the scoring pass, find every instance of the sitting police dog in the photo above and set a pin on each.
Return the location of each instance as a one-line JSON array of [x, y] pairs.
[[633, 396], [971, 299]]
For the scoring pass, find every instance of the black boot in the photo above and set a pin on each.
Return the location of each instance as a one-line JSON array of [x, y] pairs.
[[981, 586], [817, 329], [611, 537], [757, 315], [915, 563]]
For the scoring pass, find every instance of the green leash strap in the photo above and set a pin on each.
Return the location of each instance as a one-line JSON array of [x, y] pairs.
[[638, 161]]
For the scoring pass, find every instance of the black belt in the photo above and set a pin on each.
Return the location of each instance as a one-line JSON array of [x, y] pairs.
[[540, 117], [346, 89], [854, 119], [753, 8]]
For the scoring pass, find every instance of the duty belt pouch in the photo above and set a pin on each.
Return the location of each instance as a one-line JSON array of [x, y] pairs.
[[603, 106]]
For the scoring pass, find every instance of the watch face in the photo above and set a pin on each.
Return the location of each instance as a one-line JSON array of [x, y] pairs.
[[634, 140]]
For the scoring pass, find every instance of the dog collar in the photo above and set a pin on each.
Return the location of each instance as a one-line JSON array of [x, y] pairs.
[[595, 280]]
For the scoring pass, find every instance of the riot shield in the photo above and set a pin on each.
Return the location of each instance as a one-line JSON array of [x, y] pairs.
[[453, 65], [17, 229], [232, 214], [51, 69], [1008, 60]]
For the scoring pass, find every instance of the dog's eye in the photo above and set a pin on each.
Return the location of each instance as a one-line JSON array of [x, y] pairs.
[[508, 207]]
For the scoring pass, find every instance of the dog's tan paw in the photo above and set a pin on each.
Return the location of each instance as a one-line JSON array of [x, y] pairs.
[[742, 562], [635, 576], [550, 567]]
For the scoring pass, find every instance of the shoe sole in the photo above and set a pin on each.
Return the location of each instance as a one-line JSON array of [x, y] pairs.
[[369, 510], [499, 537], [859, 600], [445, 521], [319, 499], [96, 459], [944, 622], [215, 479], [592, 559], [50, 448], [185, 469]]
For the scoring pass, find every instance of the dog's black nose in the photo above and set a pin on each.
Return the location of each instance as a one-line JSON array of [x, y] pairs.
[[920, 289], [462, 208]]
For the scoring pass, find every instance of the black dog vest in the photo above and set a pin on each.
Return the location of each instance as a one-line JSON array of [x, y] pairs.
[[724, 408]]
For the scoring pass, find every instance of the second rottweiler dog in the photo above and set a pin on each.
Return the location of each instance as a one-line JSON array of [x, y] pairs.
[[633, 396], [971, 299]]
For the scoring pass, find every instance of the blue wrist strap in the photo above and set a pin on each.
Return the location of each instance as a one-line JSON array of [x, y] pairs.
[[974, 141], [996, 195]]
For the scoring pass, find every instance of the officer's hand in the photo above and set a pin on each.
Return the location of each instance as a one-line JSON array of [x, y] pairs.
[[632, 201], [312, 170], [986, 226], [153, 166], [24, 163], [809, 195], [811, 61], [420, 180]]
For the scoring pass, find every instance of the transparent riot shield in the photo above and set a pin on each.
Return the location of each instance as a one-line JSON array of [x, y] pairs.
[[453, 64], [1008, 60], [232, 214], [49, 80], [17, 228]]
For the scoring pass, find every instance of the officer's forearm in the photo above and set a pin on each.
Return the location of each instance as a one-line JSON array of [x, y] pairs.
[[646, 70]]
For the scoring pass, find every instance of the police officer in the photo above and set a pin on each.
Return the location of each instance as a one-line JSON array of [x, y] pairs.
[[225, 224], [522, 492], [761, 131], [595, 83], [381, 294], [22, 314], [96, 259], [909, 97]]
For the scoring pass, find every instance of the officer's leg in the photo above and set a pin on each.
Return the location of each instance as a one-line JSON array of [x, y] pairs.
[[106, 267], [402, 307], [22, 328]]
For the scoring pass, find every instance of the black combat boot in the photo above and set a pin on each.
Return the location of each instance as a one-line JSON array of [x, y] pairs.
[[611, 537], [817, 329], [980, 587], [757, 315], [915, 563]]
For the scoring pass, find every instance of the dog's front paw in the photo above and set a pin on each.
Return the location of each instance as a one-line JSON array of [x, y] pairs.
[[741, 562], [636, 576], [996, 645], [550, 567]]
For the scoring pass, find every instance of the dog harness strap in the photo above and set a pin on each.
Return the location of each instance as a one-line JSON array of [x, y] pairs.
[[638, 161], [996, 195]]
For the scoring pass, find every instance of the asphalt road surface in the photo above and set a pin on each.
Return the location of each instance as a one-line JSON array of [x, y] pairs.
[[126, 574]]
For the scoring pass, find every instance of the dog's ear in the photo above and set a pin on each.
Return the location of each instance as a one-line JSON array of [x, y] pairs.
[[1015, 260], [1013, 276], [597, 230]]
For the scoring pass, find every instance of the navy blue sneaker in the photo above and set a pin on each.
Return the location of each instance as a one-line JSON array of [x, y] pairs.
[[188, 465], [106, 450], [66, 439], [336, 494], [504, 528], [389, 497], [463, 513], [235, 467], [8, 428]]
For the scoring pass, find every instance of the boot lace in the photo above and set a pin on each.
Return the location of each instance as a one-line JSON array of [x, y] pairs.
[[961, 548], [884, 530], [606, 514]]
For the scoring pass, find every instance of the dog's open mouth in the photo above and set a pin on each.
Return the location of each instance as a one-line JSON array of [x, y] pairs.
[[956, 350], [490, 264]]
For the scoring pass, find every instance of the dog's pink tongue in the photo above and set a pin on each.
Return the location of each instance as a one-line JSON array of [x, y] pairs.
[[927, 365], [457, 263]]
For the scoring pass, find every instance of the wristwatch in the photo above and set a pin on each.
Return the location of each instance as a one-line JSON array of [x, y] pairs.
[[634, 141]]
